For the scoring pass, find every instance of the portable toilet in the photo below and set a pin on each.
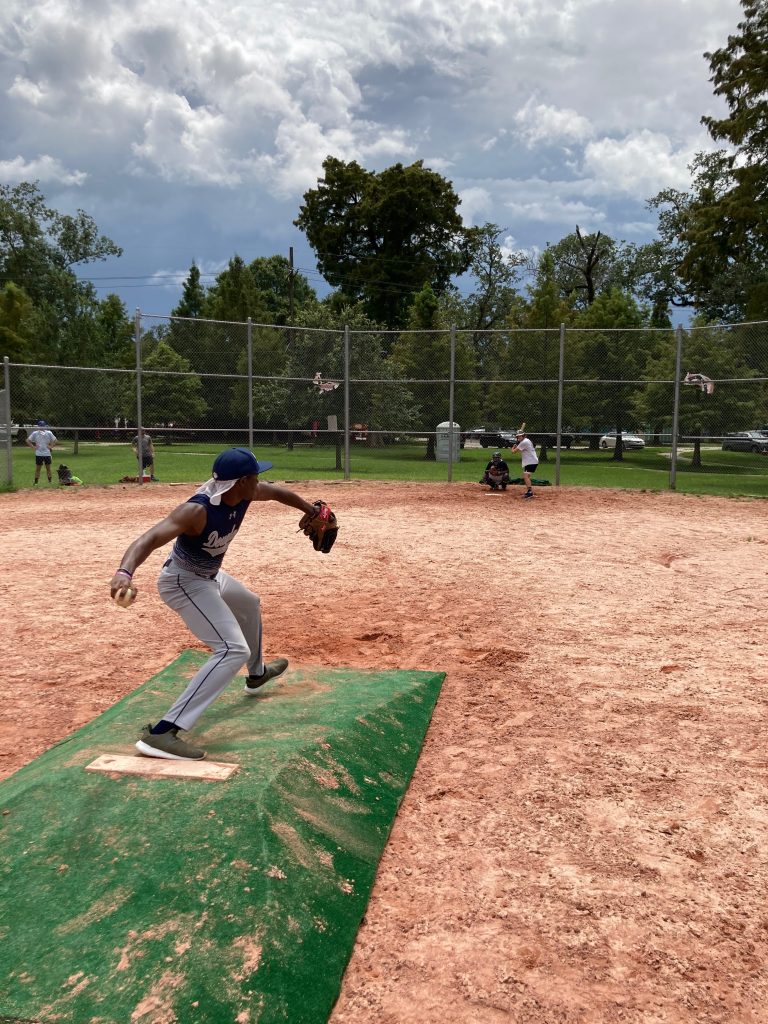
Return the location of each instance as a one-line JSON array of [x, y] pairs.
[[443, 440]]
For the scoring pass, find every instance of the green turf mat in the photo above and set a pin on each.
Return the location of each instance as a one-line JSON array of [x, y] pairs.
[[126, 899]]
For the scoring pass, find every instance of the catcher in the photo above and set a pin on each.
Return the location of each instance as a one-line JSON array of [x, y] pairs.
[[219, 610], [496, 473]]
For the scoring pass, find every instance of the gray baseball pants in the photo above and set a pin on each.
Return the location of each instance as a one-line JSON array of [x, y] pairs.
[[226, 617]]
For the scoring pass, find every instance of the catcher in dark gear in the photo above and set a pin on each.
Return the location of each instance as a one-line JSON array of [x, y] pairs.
[[496, 473]]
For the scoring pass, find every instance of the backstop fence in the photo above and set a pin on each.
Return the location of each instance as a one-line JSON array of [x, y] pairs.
[[202, 381]]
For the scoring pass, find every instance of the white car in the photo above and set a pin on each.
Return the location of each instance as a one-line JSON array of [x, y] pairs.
[[627, 441], [4, 432]]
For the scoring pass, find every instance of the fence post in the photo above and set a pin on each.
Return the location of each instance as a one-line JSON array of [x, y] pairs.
[[560, 373], [346, 402], [451, 395], [140, 432], [676, 408], [7, 418], [250, 383]]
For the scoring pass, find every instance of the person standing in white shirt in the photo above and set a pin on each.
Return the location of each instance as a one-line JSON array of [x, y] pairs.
[[42, 440], [529, 458]]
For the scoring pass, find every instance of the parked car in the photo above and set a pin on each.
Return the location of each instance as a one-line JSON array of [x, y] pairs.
[[475, 434], [566, 440], [627, 440], [746, 441], [494, 438], [4, 432], [508, 438]]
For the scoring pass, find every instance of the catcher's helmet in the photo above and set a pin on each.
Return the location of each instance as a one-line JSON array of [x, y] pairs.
[[496, 455]]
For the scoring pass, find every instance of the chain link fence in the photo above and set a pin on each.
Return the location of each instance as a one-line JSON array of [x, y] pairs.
[[208, 383]]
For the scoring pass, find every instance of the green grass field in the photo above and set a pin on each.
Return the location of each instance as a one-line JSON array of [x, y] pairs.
[[724, 473]]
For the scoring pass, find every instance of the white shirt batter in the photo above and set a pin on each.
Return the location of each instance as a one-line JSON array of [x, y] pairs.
[[527, 452]]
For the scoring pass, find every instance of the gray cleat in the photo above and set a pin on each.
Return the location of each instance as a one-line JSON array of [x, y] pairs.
[[271, 670], [168, 745]]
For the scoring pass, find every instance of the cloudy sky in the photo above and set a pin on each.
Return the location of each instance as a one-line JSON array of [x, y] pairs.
[[191, 131]]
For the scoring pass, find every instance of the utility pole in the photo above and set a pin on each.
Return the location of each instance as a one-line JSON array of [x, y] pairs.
[[290, 286], [291, 275]]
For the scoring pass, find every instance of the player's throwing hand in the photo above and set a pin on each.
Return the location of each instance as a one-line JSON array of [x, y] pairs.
[[122, 589]]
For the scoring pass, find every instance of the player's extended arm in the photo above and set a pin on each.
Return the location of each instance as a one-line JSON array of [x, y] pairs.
[[273, 492], [318, 522], [187, 518]]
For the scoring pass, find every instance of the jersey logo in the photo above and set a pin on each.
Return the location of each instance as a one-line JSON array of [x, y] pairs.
[[215, 545]]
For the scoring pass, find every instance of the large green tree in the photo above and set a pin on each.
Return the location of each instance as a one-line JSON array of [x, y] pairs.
[[492, 303], [587, 265], [608, 345], [284, 290], [736, 400], [656, 264], [212, 336], [531, 356], [40, 250], [170, 391], [378, 237], [235, 295], [722, 223], [16, 312], [421, 354], [291, 402], [192, 301], [115, 332]]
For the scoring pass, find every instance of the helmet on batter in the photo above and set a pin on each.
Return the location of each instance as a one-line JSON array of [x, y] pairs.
[[237, 462]]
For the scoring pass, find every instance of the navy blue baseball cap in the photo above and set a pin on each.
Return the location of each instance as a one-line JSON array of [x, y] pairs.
[[42, 423], [237, 462]]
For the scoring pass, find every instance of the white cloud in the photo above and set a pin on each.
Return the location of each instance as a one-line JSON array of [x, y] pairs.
[[476, 204], [637, 229], [640, 164], [213, 94], [186, 145], [174, 279], [542, 123], [543, 113], [549, 202], [44, 169], [440, 164], [510, 249]]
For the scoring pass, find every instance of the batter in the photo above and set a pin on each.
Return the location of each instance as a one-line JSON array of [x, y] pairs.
[[529, 458]]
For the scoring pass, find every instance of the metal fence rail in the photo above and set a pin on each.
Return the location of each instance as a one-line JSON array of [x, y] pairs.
[[245, 382]]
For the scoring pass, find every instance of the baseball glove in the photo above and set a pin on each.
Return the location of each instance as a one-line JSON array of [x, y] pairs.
[[320, 526]]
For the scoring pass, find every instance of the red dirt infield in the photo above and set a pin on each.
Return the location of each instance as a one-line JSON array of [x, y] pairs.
[[585, 836]]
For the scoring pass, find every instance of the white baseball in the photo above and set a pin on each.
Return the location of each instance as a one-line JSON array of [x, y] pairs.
[[125, 598]]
